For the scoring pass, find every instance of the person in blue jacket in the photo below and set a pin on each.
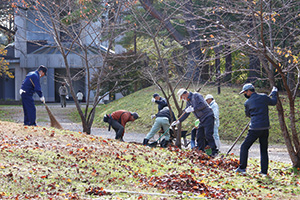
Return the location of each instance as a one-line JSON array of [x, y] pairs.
[[256, 107], [162, 102], [196, 104], [31, 85]]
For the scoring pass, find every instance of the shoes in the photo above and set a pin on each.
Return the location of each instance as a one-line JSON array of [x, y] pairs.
[[262, 174], [239, 170], [145, 142]]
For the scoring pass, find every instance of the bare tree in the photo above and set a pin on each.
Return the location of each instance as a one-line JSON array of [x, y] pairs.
[[268, 30], [79, 28]]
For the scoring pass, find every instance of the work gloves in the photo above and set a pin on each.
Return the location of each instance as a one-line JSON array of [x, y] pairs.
[[153, 116], [175, 123], [153, 100], [274, 89], [22, 91], [189, 109], [42, 99]]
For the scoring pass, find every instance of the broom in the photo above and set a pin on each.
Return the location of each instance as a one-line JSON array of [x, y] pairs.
[[54, 123]]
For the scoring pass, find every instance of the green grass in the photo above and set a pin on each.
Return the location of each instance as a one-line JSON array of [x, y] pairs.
[[45, 163], [231, 106], [5, 115]]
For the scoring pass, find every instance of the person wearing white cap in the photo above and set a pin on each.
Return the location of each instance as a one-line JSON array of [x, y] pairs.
[[256, 107], [195, 103], [214, 106]]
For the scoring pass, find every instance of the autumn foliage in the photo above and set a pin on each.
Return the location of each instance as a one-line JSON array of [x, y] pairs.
[[39, 162]]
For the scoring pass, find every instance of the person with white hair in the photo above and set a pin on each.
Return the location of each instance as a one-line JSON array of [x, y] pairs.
[[196, 104], [215, 107]]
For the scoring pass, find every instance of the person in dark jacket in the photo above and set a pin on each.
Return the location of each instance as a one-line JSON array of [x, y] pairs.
[[31, 85], [256, 107], [63, 93], [162, 102], [195, 103], [163, 120], [119, 119]]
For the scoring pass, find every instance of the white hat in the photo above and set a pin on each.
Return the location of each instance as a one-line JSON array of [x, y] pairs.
[[181, 92], [209, 96]]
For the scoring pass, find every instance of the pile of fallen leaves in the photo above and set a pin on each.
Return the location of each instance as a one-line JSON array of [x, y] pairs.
[[190, 181], [198, 157], [186, 183]]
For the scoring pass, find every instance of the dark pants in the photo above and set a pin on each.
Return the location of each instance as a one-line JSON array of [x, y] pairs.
[[205, 134], [63, 100], [252, 136], [29, 110], [118, 128]]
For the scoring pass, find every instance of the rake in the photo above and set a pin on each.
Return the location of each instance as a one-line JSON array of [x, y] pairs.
[[53, 121], [154, 144]]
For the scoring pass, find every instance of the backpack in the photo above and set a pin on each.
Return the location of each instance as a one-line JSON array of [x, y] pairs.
[[64, 91]]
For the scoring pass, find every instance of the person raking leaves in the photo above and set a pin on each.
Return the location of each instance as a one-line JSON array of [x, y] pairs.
[[256, 107], [31, 85], [196, 104]]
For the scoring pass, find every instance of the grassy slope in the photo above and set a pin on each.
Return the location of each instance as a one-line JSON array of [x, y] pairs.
[[231, 105], [45, 163]]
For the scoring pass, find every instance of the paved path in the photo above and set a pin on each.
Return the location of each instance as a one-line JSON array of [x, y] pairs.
[[276, 152]]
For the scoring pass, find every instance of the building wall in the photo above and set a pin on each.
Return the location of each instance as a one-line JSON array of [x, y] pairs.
[[29, 61]]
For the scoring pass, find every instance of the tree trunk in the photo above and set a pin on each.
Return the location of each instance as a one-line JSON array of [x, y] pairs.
[[295, 156], [191, 43], [217, 66], [228, 65]]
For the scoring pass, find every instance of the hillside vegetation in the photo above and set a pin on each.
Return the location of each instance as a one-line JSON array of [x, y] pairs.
[[46, 163], [231, 105]]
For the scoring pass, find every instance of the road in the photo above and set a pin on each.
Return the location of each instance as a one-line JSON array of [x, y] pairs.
[[276, 152]]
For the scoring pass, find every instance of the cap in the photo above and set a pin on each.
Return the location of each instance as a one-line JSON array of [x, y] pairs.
[[155, 95], [43, 68], [135, 115], [209, 96], [247, 86], [181, 92]]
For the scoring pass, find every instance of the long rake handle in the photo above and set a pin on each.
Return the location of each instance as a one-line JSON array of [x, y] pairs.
[[163, 134], [238, 138]]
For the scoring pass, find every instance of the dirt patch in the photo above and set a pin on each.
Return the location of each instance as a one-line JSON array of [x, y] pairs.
[[276, 152]]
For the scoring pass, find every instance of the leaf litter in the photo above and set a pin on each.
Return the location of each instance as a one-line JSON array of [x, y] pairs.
[[39, 162]]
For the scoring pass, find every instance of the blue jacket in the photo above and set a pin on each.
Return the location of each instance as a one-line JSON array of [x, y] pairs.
[[256, 107], [162, 102], [201, 108], [27, 85]]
